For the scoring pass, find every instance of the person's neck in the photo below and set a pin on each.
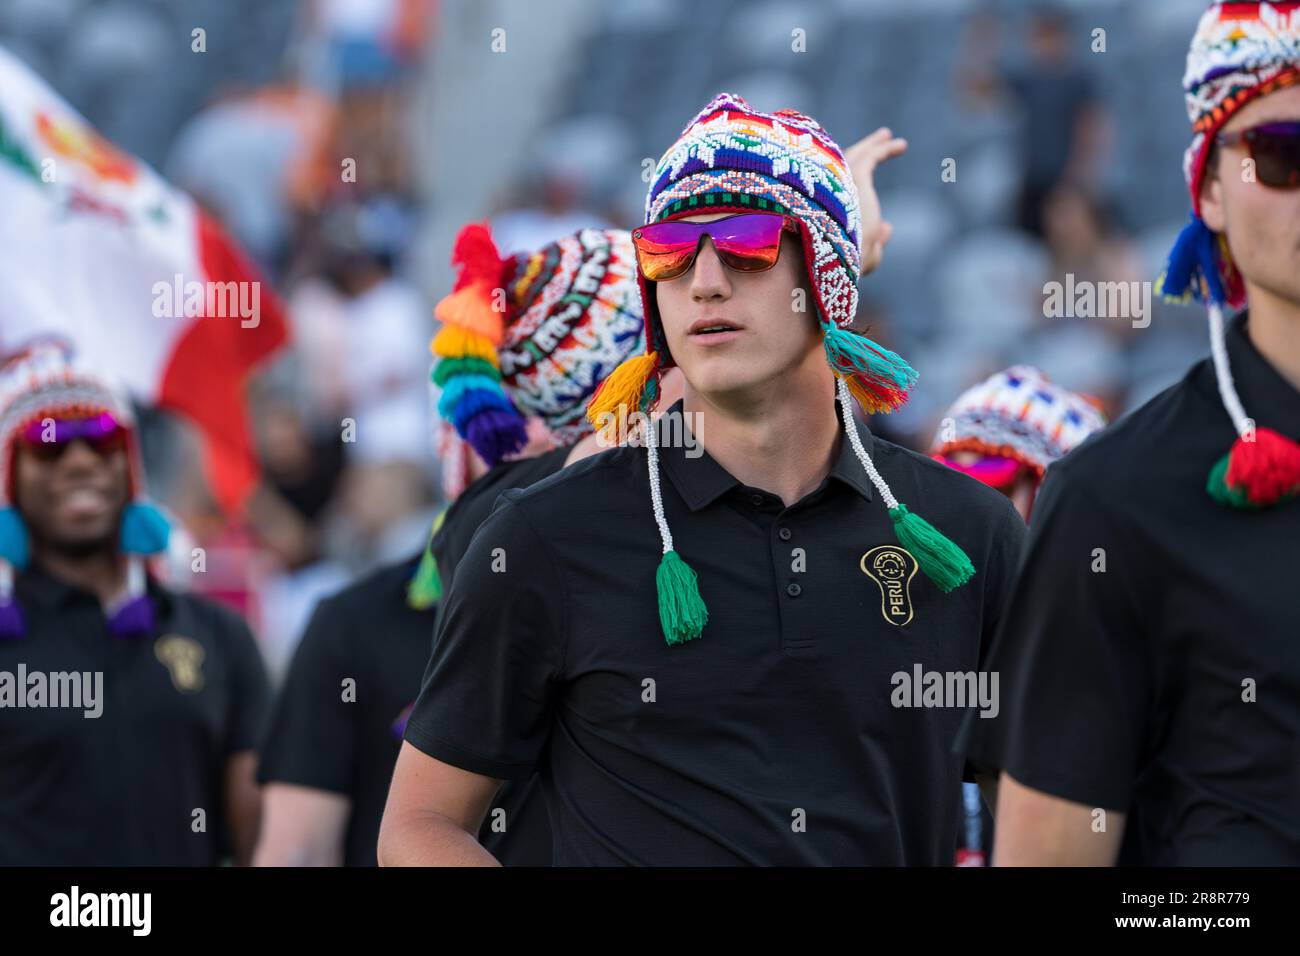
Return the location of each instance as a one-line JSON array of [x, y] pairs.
[[782, 438], [1274, 330], [103, 572]]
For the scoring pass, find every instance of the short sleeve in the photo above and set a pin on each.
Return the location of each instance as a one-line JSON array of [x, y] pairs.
[[313, 737], [1071, 657], [251, 689], [488, 696]]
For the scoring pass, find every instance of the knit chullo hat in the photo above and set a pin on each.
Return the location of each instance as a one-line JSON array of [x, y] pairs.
[[49, 381], [533, 335], [523, 336], [1241, 51], [1017, 414], [731, 158]]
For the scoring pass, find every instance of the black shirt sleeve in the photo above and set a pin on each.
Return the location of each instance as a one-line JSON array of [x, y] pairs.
[[251, 688], [487, 700], [314, 735], [1071, 655]]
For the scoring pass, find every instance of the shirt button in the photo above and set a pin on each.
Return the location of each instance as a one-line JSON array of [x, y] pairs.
[[793, 590], [784, 534], [757, 500]]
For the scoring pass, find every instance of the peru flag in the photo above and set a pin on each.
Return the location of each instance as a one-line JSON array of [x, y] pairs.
[[96, 248]]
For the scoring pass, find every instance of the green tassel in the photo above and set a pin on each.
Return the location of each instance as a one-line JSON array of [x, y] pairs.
[[650, 395], [853, 354], [1219, 489], [425, 589], [942, 561], [681, 609]]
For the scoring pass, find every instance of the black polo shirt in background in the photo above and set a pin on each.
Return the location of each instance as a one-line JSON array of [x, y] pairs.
[[369, 634], [472, 507], [121, 789], [772, 738], [525, 839], [1124, 689]]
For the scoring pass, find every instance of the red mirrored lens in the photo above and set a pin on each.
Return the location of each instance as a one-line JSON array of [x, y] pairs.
[[48, 438], [748, 242]]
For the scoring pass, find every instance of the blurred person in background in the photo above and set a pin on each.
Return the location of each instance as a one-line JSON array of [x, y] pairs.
[[1086, 251], [515, 389], [1005, 432], [379, 367], [363, 53], [1062, 130], [554, 204], [1152, 706], [257, 160], [157, 769]]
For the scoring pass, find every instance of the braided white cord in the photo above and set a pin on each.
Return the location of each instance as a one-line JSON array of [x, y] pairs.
[[851, 428], [656, 496], [1223, 373], [135, 578]]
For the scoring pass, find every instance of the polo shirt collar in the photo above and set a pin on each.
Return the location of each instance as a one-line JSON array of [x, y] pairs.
[[37, 585], [1267, 397], [701, 480]]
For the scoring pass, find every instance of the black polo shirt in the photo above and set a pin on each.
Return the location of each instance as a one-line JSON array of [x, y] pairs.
[[517, 829], [474, 504], [771, 739], [344, 737], [1125, 688], [123, 788]]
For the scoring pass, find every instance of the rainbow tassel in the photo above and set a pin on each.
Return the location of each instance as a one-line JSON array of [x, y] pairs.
[[942, 561], [447, 368], [468, 370], [879, 379], [453, 342], [682, 611], [471, 309]]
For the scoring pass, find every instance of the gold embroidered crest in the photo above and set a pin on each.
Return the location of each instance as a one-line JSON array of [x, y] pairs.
[[183, 658], [892, 568]]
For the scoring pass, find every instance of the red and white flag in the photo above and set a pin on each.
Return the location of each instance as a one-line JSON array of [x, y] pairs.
[[98, 249]]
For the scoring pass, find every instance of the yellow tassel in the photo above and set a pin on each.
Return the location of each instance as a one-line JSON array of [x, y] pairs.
[[453, 341], [621, 393], [471, 309], [864, 398]]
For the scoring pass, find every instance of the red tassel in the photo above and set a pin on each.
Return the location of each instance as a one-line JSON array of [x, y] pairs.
[[477, 256], [1266, 469]]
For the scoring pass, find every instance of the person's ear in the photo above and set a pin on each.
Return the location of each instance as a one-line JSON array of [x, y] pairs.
[[1211, 197]]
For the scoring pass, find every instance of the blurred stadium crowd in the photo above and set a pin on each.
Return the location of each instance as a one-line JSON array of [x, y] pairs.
[[1061, 161]]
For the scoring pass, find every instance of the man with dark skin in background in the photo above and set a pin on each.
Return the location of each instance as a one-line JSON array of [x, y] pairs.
[[163, 773]]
